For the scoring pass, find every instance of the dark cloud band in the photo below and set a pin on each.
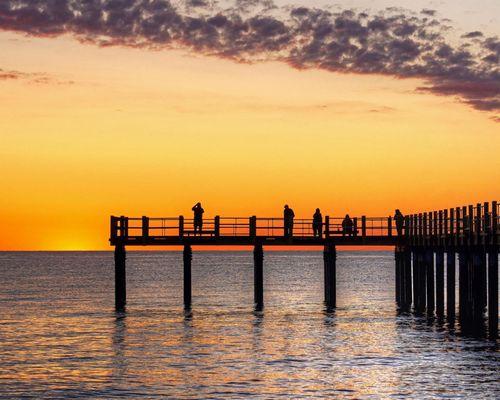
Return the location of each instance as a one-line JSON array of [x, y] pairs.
[[393, 42]]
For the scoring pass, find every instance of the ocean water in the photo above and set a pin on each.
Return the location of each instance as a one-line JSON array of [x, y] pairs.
[[61, 338]]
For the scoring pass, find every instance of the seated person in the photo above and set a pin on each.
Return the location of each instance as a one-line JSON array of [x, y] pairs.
[[347, 226]]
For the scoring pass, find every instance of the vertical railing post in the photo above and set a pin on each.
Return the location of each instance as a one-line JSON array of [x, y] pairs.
[[327, 226], [217, 226], [440, 226], [424, 222], [407, 226], [435, 221], [471, 223], [389, 226], [486, 220], [181, 226], [477, 223], [123, 226], [363, 226], [145, 227], [113, 228], [420, 228], [355, 222], [452, 221], [252, 226]]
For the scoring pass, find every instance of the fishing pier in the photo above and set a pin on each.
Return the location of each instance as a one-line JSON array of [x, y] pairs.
[[427, 248]]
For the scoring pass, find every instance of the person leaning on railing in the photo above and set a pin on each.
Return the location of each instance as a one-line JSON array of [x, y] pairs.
[[317, 224], [400, 222]]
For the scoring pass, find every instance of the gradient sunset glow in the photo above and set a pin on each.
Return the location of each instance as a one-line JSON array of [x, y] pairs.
[[90, 131]]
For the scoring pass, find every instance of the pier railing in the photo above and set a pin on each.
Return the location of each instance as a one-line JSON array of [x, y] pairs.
[[474, 224]]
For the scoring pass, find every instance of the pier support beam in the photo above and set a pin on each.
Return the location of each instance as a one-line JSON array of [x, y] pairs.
[[478, 293], [493, 292], [429, 266], [258, 260], [463, 285], [450, 285], [440, 282], [187, 257], [120, 278], [330, 276], [419, 273], [407, 275], [398, 275]]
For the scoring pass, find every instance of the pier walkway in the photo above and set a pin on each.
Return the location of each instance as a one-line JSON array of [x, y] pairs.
[[427, 247]]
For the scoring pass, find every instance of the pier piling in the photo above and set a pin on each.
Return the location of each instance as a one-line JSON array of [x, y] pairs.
[[330, 278], [450, 284], [258, 259], [440, 282], [120, 278], [493, 292], [187, 257], [429, 267]]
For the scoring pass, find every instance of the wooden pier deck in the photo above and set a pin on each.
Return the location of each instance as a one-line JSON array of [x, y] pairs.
[[426, 249]]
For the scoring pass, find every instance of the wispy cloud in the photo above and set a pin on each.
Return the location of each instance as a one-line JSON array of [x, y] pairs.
[[31, 77], [394, 42]]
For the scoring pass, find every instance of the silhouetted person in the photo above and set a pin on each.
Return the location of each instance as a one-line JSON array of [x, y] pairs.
[[317, 223], [288, 216], [198, 218], [400, 222], [347, 226]]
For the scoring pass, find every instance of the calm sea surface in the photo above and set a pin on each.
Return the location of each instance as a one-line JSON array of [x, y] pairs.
[[61, 338]]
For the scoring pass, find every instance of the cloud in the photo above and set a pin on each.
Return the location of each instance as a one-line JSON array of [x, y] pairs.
[[394, 42], [31, 77]]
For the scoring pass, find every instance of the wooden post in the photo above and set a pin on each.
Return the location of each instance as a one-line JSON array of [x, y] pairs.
[[478, 275], [181, 226], [330, 276], [493, 274], [440, 282], [471, 224], [463, 284], [435, 221], [440, 228], [120, 277], [187, 258], [363, 226], [145, 227], [429, 263], [113, 227], [327, 226], [420, 229], [258, 260], [355, 226], [123, 226], [398, 275], [493, 292], [407, 273], [477, 223], [450, 284], [217, 226], [419, 273], [426, 228], [252, 226]]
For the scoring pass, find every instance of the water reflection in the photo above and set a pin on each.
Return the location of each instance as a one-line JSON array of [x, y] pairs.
[[57, 341]]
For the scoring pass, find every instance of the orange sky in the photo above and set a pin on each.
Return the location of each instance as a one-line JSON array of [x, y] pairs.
[[150, 133]]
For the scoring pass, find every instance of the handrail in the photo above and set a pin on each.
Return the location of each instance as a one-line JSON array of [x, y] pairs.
[[474, 223]]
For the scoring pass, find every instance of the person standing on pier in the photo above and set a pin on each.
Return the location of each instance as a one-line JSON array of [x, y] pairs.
[[317, 223], [198, 218], [400, 220], [288, 216], [347, 226]]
